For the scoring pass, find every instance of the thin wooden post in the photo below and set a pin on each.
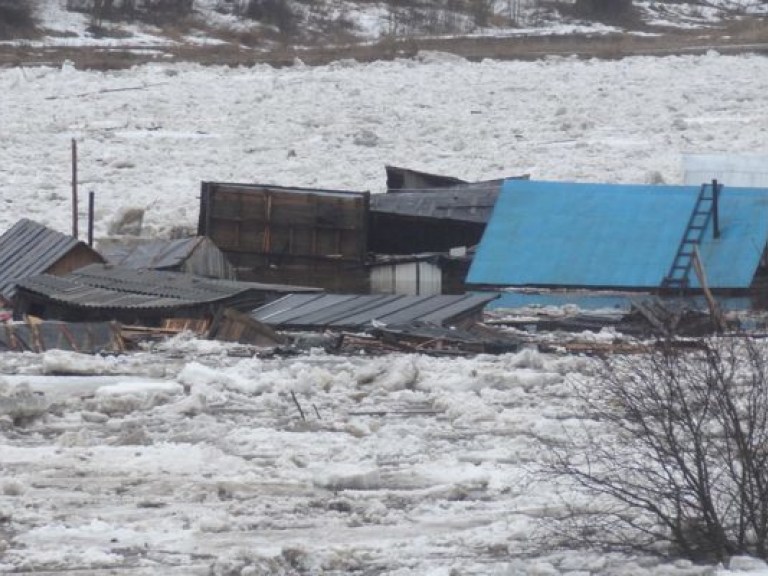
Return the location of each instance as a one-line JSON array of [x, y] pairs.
[[91, 202], [74, 188]]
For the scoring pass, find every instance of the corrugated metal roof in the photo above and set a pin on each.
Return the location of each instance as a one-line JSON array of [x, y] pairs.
[[171, 284], [104, 286], [156, 253], [467, 203], [196, 255], [29, 248], [68, 290], [623, 236], [354, 312]]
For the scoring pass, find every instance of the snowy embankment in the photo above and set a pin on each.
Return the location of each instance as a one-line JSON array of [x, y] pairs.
[[148, 136]]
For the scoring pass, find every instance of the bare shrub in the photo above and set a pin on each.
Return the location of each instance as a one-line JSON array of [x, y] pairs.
[[674, 455]]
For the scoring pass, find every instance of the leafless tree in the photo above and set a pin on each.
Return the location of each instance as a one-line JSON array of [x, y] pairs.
[[677, 457]]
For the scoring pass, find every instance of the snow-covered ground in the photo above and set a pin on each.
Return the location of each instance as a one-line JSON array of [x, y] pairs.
[[189, 460]]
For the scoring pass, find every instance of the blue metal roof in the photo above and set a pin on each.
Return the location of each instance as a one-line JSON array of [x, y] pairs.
[[618, 236]]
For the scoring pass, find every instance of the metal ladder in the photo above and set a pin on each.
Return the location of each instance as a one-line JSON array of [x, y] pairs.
[[677, 277]]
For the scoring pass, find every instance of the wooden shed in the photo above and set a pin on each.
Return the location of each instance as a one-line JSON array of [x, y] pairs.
[[29, 248], [197, 255], [284, 235]]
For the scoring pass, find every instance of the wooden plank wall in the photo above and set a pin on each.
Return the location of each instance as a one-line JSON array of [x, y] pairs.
[[289, 235]]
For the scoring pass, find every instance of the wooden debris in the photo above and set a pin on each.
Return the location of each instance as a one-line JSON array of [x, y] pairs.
[[233, 326], [37, 335], [427, 339]]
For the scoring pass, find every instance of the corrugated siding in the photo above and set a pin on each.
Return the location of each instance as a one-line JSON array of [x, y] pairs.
[[430, 278], [383, 279], [409, 278], [599, 235]]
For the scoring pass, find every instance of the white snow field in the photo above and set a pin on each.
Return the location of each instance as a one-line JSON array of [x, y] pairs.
[[191, 460], [148, 136]]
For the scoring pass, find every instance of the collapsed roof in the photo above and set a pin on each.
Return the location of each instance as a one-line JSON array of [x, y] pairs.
[[356, 312], [106, 292]]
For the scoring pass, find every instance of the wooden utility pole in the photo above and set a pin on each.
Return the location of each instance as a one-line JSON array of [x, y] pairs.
[[74, 188]]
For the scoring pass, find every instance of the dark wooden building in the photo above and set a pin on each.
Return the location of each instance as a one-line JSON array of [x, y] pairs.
[[285, 235]]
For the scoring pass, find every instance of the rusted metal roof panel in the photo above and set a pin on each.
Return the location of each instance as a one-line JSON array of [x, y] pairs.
[[301, 311]]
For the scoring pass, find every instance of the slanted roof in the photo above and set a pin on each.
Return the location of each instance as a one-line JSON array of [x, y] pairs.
[[195, 255], [405, 178], [29, 248], [108, 287], [155, 253], [619, 236], [355, 312], [467, 203]]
